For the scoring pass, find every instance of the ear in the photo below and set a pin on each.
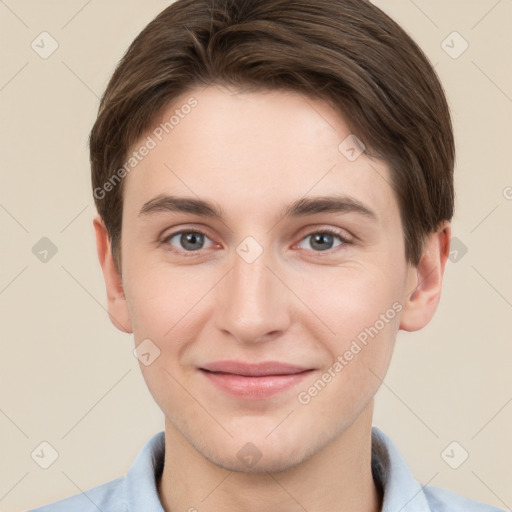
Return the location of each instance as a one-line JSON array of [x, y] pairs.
[[425, 281], [117, 307]]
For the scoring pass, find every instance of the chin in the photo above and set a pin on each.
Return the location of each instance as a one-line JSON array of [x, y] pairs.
[[274, 463], [260, 456]]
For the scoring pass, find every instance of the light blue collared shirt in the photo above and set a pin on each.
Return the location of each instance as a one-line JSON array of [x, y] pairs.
[[137, 491]]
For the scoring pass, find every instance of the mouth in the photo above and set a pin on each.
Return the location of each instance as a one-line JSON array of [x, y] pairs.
[[254, 381]]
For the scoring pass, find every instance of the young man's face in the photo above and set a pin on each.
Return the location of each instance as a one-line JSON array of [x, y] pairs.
[[259, 285]]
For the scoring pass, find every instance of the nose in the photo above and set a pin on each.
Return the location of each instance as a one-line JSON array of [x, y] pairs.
[[252, 303]]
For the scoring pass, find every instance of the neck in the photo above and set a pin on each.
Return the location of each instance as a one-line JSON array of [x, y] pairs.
[[338, 477]]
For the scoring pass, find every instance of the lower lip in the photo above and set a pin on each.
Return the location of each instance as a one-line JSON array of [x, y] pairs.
[[254, 388]]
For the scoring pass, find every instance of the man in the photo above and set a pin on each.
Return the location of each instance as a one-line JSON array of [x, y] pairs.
[[274, 185]]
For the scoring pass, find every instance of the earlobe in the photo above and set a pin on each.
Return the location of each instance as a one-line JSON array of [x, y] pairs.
[[422, 298], [117, 306]]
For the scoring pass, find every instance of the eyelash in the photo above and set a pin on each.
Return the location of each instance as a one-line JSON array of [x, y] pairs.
[[327, 231]]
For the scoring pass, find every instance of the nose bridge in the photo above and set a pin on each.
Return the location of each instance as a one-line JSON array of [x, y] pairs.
[[250, 302]]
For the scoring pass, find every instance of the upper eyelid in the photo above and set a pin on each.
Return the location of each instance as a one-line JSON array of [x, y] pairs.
[[310, 231], [171, 234]]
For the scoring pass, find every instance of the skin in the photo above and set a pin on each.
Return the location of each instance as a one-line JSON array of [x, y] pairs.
[[253, 154]]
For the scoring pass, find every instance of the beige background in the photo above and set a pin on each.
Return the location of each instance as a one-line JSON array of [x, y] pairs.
[[70, 379]]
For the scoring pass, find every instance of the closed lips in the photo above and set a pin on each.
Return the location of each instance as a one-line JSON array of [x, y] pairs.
[[254, 370]]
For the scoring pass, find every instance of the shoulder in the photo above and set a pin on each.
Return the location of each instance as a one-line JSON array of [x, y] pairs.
[[107, 497], [137, 490], [443, 500], [403, 492]]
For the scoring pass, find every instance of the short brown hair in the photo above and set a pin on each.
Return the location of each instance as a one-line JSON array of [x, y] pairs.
[[346, 52]]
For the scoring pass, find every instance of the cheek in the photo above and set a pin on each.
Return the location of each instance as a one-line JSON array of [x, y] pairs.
[[358, 355], [163, 300], [359, 305], [351, 299], [168, 306]]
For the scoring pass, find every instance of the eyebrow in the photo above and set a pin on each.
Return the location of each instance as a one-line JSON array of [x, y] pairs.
[[300, 208], [327, 204]]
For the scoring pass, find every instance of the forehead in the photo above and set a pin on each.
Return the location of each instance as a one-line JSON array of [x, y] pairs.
[[249, 150]]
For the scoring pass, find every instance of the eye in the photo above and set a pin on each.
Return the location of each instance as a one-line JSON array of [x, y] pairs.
[[323, 240], [188, 241]]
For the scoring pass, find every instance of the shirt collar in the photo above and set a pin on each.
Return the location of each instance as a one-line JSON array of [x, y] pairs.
[[141, 479], [402, 493]]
